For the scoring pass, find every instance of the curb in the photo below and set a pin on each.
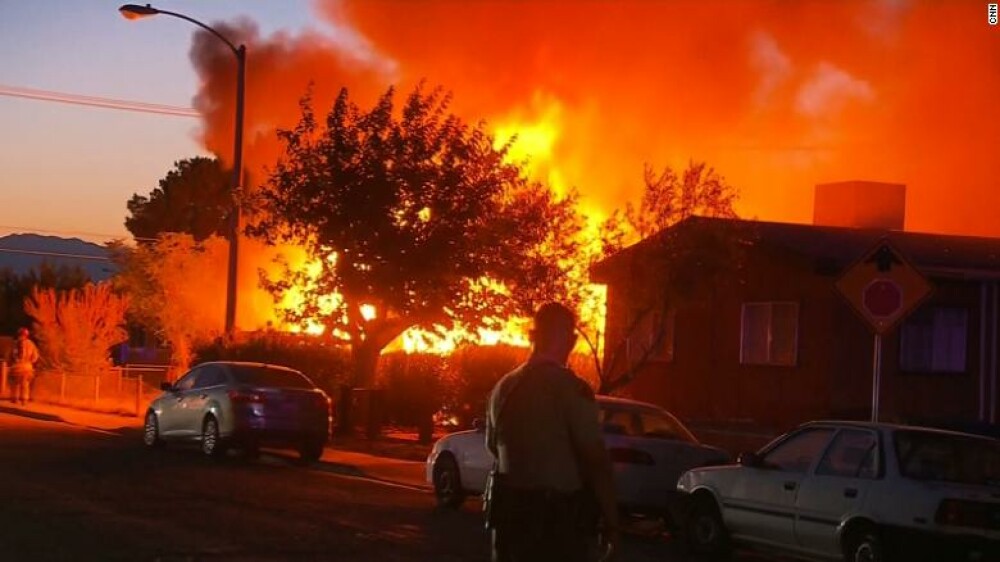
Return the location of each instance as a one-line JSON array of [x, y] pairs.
[[351, 470], [15, 410], [331, 466]]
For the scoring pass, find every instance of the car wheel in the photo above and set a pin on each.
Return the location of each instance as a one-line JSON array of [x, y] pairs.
[[151, 431], [448, 482], [211, 442], [863, 546], [705, 532], [311, 451]]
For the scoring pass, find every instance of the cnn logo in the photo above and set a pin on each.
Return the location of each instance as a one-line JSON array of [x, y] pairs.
[[991, 14]]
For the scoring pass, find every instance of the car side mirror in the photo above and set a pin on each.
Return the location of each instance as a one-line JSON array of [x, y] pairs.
[[166, 386], [750, 460], [479, 424]]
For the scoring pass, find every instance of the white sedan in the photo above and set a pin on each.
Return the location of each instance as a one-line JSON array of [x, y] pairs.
[[859, 492], [649, 447]]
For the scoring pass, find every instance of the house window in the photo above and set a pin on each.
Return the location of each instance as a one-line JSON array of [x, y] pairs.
[[652, 337], [770, 333], [934, 340]]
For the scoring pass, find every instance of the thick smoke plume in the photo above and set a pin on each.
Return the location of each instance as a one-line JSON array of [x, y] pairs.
[[776, 95]]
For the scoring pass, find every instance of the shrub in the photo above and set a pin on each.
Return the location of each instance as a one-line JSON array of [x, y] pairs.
[[16, 288], [177, 289], [328, 365], [412, 386], [472, 371], [76, 329], [470, 374]]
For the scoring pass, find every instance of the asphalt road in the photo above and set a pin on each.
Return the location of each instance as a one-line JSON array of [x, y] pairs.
[[69, 493]]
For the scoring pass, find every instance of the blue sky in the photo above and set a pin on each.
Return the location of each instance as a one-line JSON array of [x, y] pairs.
[[71, 168]]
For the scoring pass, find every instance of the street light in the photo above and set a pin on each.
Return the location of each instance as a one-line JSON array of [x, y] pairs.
[[134, 12]]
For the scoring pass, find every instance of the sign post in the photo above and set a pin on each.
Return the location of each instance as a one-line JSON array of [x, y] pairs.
[[883, 288], [876, 375]]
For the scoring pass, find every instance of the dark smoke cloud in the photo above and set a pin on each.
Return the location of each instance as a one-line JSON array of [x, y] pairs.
[[778, 96]]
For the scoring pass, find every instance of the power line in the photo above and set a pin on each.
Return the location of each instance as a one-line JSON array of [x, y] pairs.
[[54, 254], [94, 101]]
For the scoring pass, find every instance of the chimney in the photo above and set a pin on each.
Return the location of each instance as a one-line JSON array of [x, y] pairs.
[[860, 204]]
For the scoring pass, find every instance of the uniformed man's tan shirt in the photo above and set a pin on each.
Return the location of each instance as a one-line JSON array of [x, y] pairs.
[[547, 414]]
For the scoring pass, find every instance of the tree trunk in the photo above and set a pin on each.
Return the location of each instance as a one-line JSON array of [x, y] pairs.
[[364, 357], [425, 430], [180, 359]]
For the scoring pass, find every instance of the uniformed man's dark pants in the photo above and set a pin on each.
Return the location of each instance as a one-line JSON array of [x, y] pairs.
[[538, 526]]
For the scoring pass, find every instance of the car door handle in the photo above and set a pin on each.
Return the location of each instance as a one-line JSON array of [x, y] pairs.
[[850, 492], [789, 486]]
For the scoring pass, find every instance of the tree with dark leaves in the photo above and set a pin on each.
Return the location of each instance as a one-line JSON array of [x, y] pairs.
[[15, 289], [416, 214], [192, 198]]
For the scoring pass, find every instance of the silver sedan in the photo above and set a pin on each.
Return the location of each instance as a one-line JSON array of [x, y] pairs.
[[227, 404]]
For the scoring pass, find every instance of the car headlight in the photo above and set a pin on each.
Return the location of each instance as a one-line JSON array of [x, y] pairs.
[[684, 482]]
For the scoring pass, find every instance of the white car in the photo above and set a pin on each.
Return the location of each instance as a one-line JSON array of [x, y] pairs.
[[649, 447], [854, 491]]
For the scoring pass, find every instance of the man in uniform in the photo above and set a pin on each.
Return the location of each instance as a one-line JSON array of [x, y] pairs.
[[543, 429], [23, 357]]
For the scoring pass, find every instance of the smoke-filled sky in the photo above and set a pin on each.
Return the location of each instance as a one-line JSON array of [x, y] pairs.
[[776, 95]]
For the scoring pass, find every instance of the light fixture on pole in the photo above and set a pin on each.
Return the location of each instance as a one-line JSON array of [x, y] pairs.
[[135, 11]]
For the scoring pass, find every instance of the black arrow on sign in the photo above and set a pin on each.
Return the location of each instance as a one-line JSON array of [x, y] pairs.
[[884, 258]]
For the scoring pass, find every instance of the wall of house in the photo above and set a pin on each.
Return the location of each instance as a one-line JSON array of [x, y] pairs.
[[771, 396], [922, 396], [706, 385]]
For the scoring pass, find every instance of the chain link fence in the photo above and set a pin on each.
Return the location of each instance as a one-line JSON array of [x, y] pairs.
[[122, 390]]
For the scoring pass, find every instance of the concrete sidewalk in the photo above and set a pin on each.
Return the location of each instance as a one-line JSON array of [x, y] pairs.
[[351, 463], [72, 416]]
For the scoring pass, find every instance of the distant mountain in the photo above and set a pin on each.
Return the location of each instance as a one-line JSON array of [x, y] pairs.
[[23, 252]]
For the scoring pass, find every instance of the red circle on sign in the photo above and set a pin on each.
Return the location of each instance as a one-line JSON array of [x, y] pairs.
[[882, 298]]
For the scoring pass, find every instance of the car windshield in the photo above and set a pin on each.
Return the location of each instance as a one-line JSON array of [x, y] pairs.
[[664, 425], [644, 422], [925, 455], [260, 376]]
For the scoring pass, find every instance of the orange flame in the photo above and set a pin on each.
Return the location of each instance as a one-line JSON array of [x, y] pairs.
[[531, 140], [775, 99]]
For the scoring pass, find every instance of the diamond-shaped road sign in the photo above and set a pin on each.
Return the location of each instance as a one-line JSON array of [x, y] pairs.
[[883, 287]]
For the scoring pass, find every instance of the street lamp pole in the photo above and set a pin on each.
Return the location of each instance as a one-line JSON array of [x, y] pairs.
[[135, 11], [234, 215]]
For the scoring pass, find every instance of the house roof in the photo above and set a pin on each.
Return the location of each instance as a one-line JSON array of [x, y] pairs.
[[976, 430], [839, 247]]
